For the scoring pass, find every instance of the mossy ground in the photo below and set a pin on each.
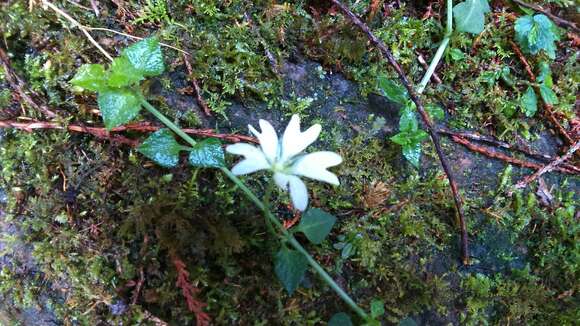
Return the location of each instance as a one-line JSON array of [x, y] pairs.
[[93, 215]]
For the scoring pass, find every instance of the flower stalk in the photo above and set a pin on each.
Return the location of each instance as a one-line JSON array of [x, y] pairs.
[[271, 219]]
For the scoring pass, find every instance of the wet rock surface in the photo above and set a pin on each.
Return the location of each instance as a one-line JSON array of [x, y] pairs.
[[337, 102]]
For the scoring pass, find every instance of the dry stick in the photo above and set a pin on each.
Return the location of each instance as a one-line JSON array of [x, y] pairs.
[[501, 156], [560, 21], [104, 134], [20, 87], [508, 146], [196, 88], [79, 26], [423, 63], [426, 120], [547, 107], [548, 167]]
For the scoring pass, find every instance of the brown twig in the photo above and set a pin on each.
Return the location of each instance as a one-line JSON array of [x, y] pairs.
[[507, 146], [20, 87], [560, 21], [104, 134], [523, 60], [503, 157], [196, 89], [547, 107], [548, 167], [424, 116], [423, 63]]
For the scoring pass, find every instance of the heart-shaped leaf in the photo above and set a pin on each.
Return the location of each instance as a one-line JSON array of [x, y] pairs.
[[90, 76], [118, 106], [316, 224], [162, 148], [412, 153], [122, 73], [340, 319], [469, 16], [207, 154], [290, 266], [146, 57]]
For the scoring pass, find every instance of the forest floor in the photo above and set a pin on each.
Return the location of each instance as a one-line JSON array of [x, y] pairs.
[[94, 233]]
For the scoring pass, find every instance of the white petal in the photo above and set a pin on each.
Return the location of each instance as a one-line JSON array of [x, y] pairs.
[[246, 150], [294, 141], [282, 180], [314, 166], [250, 165], [298, 193], [268, 139]]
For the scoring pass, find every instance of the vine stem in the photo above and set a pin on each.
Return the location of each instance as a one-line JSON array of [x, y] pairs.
[[424, 116], [440, 50], [271, 218]]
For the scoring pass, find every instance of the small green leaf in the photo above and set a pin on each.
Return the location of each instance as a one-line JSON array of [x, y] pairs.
[[537, 33], [316, 224], [392, 90], [548, 95], [529, 102], [162, 148], [408, 121], [340, 319], [435, 112], [207, 154], [118, 106], [545, 75], [122, 73], [146, 57], [290, 266], [412, 153], [90, 76], [469, 16], [377, 308], [456, 54], [408, 321]]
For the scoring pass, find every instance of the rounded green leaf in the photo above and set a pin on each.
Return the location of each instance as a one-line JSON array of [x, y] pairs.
[[162, 148], [207, 154], [122, 73], [146, 57], [340, 319], [392, 90], [118, 106], [90, 76], [469, 16], [290, 266], [529, 102], [316, 224]]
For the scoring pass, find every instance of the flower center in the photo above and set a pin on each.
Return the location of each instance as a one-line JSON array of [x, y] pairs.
[[278, 166]]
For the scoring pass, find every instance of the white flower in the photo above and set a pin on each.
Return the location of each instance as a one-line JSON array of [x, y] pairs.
[[284, 158]]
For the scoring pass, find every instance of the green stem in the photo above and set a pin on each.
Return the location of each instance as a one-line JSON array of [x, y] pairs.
[[266, 202], [440, 50], [294, 243], [168, 122], [270, 217]]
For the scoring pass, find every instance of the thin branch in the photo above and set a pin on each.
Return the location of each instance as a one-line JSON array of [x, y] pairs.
[[202, 103], [560, 21], [498, 143], [547, 107], [79, 26], [104, 134], [20, 87], [503, 157], [426, 120], [548, 167]]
